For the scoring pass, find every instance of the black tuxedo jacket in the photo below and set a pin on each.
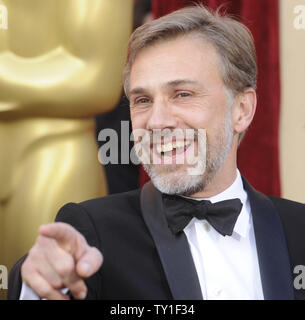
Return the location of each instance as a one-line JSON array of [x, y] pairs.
[[144, 260]]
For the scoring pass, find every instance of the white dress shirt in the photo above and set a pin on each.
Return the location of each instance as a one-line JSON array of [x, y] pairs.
[[227, 267]]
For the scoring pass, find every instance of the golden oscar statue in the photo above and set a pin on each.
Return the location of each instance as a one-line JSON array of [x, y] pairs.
[[60, 65]]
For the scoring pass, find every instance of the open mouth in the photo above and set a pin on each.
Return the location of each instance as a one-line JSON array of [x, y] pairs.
[[172, 148], [186, 148], [172, 152]]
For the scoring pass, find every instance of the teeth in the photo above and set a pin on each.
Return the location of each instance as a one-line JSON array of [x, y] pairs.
[[170, 146]]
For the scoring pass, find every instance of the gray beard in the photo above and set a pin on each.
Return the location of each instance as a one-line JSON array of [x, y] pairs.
[[175, 180]]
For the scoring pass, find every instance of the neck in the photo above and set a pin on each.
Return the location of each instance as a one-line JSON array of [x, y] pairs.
[[222, 180]]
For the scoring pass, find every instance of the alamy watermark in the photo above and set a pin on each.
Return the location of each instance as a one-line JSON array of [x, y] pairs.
[[299, 20], [299, 280], [3, 277], [3, 17], [155, 147]]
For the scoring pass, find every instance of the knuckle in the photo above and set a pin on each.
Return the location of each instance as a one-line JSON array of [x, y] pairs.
[[34, 255], [65, 268], [41, 240], [45, 291], [80, 239], [57, 284], [44, 242], [26, 270], [33, 252]]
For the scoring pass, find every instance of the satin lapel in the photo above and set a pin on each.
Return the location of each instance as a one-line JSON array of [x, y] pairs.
[[274, 263], [174, 252]]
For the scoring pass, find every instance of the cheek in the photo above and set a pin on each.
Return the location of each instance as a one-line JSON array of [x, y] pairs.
[[196, 119], [138, 120], [208, 116], [197, 114]]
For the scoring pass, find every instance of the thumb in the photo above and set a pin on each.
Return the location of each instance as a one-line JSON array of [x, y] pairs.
[[89, 262]]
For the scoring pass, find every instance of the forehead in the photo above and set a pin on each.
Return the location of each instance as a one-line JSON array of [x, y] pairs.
[[186, 57]]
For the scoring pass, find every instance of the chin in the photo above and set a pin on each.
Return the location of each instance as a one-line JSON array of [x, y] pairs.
[[174, 179]]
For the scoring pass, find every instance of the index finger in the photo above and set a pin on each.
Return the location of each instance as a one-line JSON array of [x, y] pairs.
[[64, 234]]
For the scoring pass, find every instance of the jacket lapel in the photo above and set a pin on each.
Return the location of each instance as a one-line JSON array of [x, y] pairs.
[[274, 263], [177, 261], [174, 251]]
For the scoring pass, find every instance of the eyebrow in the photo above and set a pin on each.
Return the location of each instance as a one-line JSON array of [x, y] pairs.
[[175, 83], [137, 90], [170, 84]]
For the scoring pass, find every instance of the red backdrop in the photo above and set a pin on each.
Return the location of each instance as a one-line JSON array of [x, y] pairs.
[[258, 155]]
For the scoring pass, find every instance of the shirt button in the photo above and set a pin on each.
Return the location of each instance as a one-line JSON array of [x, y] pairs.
[[206, 226], [217, 293]]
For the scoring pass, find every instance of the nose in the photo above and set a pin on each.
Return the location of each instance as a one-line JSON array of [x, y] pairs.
[[161, 116]]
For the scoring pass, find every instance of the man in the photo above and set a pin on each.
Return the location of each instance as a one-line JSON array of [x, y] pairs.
[[190, 70]]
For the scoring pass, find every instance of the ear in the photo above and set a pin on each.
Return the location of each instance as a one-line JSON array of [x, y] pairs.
[[244, 110]]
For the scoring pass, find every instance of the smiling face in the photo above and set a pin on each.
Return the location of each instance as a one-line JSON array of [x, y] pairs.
[[177, 84]]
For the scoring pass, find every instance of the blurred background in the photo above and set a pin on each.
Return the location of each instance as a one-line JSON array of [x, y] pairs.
[[60, 85]]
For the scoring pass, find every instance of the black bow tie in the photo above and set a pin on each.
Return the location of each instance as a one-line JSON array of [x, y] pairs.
[[221, 215]]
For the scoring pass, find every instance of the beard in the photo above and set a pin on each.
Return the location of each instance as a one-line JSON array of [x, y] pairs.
[[175, 178]]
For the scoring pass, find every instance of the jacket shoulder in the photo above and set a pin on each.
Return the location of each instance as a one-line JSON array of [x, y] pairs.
[[289, 209], [292, 215], [101, 213], [129, 200]]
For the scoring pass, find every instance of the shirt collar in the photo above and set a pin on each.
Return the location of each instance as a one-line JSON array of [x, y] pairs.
[[236, 190]]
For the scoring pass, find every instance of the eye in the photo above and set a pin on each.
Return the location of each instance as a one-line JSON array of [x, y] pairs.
[[142, 100], [183, 94]]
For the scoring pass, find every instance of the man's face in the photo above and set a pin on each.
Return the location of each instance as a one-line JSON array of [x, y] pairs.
[[177, 84]]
